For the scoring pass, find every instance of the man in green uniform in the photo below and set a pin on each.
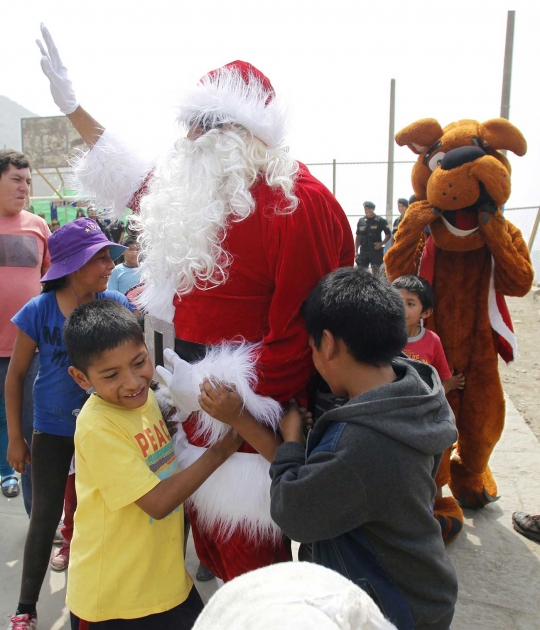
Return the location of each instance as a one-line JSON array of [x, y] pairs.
[[369, 239]]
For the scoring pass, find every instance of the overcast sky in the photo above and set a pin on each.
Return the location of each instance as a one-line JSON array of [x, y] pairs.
[[332, 61]]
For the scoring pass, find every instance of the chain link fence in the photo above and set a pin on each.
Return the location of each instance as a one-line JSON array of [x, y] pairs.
[[356, 182]]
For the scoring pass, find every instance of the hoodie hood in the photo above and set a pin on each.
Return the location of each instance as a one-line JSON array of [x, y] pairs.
[[412, 410]]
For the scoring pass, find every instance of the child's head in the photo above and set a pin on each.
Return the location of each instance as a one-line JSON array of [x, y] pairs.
[[417, 296], [107, 351], [131, 255], [80, 250], [351, 308]]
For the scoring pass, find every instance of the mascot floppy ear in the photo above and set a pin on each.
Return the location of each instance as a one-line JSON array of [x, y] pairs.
[[420, 135], [500, 134]]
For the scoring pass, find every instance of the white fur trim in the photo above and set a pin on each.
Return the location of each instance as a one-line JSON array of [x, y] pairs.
[[225, 98], [234, 364], [234, 498], [157, 301], [109, 174], [495, 317]]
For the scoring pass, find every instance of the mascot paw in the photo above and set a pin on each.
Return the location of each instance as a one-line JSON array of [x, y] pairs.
[[471, 490], [450, 517]]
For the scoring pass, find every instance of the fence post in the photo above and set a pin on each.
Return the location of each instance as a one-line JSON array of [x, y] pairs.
[[534, 230], [390, 175], [334, 177]]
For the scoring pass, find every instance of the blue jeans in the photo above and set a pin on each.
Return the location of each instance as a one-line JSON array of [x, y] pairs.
[[27, 423]]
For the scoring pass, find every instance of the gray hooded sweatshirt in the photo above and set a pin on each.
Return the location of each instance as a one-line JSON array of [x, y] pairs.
[[362, 491]]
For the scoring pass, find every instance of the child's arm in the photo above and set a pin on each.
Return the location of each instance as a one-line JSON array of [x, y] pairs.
[[18, 453], [171, 492], [314, 499], [457, 381], [223, 403]]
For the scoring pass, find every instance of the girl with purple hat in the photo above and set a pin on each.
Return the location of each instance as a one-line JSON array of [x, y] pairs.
[[82, 261]]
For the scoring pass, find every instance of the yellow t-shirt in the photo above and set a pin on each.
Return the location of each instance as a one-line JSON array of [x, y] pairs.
[[123, 563]]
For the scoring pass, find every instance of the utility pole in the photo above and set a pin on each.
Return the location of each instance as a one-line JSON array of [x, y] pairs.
[[391, 141], [507, 73]]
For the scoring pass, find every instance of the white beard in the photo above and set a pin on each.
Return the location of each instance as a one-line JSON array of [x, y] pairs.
[[196, 192]]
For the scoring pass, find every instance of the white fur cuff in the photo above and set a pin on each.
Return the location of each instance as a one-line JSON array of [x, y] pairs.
[[109, 174]]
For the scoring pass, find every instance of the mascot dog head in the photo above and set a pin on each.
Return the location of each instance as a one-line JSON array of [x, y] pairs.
[[460, 169]]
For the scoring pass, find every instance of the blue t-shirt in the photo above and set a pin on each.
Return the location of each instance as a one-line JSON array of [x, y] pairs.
[[57, 398], [124, 278]]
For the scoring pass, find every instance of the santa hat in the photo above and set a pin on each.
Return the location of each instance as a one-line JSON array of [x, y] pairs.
[[291, 596], [236, 93]]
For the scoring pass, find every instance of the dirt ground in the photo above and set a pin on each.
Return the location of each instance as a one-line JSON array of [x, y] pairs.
[[521, 380]]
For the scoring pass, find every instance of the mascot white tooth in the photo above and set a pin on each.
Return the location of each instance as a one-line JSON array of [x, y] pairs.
[[235, 234]]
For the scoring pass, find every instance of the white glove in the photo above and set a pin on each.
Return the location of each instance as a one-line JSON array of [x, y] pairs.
[[180, 391], [51, 64]]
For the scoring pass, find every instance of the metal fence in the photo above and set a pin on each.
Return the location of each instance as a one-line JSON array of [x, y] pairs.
[[355, 182]]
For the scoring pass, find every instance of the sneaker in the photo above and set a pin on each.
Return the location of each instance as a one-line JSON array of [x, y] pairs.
[[23, 622], [58, 538], [10, 486], [203, 574], [60, 562], [527, 525]]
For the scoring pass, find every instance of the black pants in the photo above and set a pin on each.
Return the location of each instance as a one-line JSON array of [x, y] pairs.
[[181, 617], [370, 256], [51, 457]]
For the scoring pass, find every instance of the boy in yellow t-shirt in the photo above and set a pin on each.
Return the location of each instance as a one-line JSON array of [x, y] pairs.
[[127, 562]]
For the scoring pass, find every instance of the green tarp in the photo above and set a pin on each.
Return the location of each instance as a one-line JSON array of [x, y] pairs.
[[66, 210]]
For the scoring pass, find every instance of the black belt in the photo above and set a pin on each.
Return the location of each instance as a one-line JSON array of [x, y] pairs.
[[190, 351]]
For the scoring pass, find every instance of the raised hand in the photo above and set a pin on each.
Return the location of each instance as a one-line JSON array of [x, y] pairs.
[[52, 66]]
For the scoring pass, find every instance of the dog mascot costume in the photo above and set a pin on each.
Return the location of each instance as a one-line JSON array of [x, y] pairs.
[[473, 257], [235, 234]]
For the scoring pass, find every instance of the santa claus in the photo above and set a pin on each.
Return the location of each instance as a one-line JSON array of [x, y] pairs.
[[235, 234]]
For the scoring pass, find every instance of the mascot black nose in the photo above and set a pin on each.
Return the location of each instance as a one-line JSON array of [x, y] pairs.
[[461, 155]]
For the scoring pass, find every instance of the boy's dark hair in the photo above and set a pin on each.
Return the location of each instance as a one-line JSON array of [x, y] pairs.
[[403, 201], [98, 326], [129, 240], [366, 314], [10, 157], [417, 285]]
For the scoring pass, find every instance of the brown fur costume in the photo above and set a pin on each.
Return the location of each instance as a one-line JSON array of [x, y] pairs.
[[461, 180]]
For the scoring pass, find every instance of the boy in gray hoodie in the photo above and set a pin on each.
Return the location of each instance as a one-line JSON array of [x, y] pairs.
[[362, 488]]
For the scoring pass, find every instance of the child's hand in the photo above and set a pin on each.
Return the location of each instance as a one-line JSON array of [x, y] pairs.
[[221, 401], [457, 381], [228, 445], [18, 454], [292, 429], [307, 420]]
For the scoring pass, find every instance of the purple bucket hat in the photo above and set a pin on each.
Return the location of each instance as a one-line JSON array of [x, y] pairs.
[[72, 246]]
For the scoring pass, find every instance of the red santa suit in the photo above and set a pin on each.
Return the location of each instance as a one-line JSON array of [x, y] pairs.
[[277, 257]]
